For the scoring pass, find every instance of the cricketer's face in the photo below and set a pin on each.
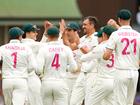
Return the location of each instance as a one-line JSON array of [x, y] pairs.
[[87, 26], [33, 35], [69, 32]]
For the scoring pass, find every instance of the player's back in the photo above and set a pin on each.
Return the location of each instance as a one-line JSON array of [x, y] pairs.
[[15, 58], [127, 48], [57, 56], [34, 45]]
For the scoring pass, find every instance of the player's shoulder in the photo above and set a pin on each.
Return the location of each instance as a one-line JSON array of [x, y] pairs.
[[138, 33], [66, 48], [115, 35], [100, 46], [37, 45], [26, 47], [43, 45], [83, 37]]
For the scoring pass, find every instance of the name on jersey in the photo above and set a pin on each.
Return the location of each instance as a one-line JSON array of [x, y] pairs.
[[127, 34], [14, 48], [55, 49]]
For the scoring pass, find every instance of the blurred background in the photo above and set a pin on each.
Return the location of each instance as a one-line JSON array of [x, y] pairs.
[[20, 12]]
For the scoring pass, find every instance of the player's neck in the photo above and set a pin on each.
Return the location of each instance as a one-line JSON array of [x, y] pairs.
[[53, 39], [125, 23], [91, 32]]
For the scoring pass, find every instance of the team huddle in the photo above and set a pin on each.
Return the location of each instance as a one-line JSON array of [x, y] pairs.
[[100, 68]]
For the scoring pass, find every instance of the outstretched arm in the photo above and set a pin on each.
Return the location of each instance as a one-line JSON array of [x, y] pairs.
[[47, 25], [113, 23]]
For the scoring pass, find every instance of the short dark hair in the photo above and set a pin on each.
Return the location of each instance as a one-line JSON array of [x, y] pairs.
[[93, 20], [53, 32], [124, 14]]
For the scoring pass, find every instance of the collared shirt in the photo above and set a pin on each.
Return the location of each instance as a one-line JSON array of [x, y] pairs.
[[126, 43], [105, 68], [53, 59], [89, 41], [34, 45], [17, 60]]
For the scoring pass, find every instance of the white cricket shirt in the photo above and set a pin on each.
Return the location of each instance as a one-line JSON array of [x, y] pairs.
[[105, 67], [53, 59], [17, 60], [126, 43]]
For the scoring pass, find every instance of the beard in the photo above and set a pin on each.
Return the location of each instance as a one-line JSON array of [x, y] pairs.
[[84, 31]]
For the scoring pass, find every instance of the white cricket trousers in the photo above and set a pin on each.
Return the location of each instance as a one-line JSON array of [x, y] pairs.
[[14, 91], [125, 85], [101, 92], [71, 82], [34, 91], [54, 92], [82, 87]]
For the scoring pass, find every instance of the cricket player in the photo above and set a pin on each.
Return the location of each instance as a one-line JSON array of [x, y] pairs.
[[87, 43], [53, 59], [102, 87], [18, 61], [70, 35], [34, 83], [126, 44], [71, 38]]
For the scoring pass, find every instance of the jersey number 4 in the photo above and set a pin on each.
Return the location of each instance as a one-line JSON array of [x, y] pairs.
[[128, 42], [14, 55], [55, 62]]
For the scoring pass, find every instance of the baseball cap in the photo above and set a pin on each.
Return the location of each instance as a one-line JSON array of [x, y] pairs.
[[29, 28], [15, 32], [53, 31], [99, 33], [124, 14], [73, 26], [108, 29]]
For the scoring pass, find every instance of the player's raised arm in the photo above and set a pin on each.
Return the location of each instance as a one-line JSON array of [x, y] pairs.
[[70, 35], [47, 25], [113, 23], [62, 26]]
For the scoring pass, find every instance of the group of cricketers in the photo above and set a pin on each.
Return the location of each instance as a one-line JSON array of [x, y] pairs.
[[100, 68]]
